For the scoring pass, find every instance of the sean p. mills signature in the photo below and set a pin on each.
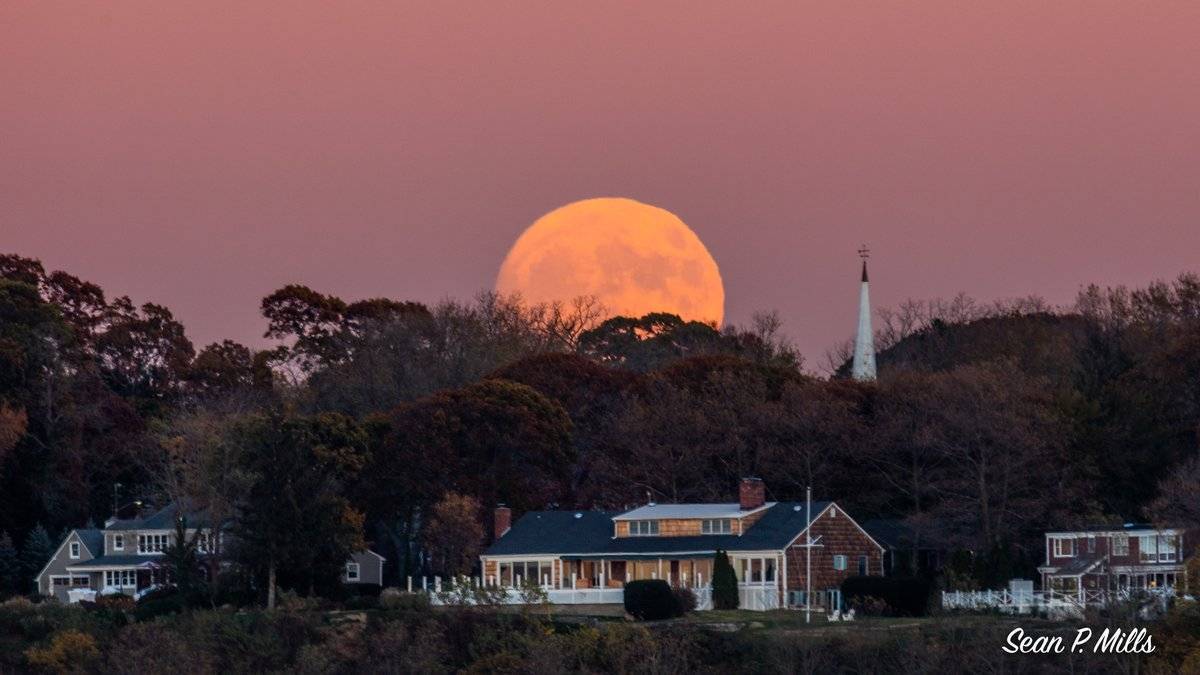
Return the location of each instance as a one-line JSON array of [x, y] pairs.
[[1110, 641]]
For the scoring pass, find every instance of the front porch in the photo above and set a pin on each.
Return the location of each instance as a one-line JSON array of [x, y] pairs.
[[132, 580], [601, 579]]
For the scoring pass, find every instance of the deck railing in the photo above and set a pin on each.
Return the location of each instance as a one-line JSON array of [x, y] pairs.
[[756, 596], [1050, 599]]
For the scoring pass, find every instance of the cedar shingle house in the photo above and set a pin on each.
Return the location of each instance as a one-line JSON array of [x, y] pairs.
[[584, 551], [125, 556]]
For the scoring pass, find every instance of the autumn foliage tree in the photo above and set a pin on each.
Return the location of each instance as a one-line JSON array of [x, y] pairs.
[[454, 534]]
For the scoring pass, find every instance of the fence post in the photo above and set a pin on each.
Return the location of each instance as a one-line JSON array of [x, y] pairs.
[[410, 583], [424, 583], [437, 584]]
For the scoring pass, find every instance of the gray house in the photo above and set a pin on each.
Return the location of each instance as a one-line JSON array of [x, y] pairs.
[[124, 556]]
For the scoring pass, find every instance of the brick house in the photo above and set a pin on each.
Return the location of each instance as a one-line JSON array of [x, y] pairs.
[[587, 556], [1117, 559]]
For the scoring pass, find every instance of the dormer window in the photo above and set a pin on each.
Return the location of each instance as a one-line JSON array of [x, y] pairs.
[[643, 528], [74, 550], [118, 542], [352, 571], [716, 526], [152, 543]]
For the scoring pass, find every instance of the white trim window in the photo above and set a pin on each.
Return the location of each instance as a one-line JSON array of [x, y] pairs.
[[1166, 549], [839, 562], [352, 571], [152, 543], [716, 526], [118, 541], [74, 550], [1148, 548], [643, 528], [206, 541], [1064, 547], [1120, 544], [120, 578]]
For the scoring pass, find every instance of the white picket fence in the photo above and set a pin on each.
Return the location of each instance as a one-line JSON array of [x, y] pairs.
[[1026, 601]]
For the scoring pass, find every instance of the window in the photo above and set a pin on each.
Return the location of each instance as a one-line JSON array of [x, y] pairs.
[[1091, 543], [206, 542], [1148, 548], [643, 528], [1120, 544], [717, 526], [118, 542], [351, 571], [862, 565], [152, 543], [839, 562], [833, 512], [1064, 548], [526, 571], [74, 550], [1166, 548], [120, 578]]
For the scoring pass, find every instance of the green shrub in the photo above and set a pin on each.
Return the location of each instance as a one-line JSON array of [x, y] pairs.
[[160, 602], [651, 600], [685, 598], [724, 583], [905, 596]]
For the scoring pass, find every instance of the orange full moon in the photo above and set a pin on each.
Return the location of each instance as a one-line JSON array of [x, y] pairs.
[[635, 258]]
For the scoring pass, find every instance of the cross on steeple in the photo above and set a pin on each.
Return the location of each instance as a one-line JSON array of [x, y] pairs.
[[864, 252]]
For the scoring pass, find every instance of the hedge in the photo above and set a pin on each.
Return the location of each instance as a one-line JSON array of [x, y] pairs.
[[651, 600], [905, 596]]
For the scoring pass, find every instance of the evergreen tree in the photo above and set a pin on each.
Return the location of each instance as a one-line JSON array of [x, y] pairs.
[[724, 583], [181, 562], [10, 567], [34, 555]]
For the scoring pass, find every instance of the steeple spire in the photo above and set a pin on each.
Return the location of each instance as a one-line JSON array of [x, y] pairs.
[[863, 366]]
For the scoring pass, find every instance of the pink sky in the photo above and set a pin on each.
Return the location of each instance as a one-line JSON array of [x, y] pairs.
[[203, 154]]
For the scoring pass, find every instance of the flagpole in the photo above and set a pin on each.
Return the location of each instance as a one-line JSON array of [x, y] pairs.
[[808, 555]]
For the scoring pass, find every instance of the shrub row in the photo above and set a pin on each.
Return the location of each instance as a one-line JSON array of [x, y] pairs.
[[904, 596]]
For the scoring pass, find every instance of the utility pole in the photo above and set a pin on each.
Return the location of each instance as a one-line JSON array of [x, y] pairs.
[[808, 555], [116, 488]]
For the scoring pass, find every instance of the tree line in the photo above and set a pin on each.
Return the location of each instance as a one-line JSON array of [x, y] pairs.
[[400, 424]]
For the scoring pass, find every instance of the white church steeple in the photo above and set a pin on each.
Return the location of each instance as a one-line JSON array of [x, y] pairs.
[[863, 366]]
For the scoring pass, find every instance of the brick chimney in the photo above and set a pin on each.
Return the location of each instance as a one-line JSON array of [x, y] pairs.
[[502, 521], [752, 493]]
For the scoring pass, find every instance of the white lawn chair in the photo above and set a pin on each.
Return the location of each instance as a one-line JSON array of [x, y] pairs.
[[835, 615], [849, 615]]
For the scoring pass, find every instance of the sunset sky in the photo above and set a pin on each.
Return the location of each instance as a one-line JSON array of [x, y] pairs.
[[203, 154]]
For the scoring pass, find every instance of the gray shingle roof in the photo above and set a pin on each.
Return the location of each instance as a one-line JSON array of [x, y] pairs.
[[163, 519], [93, 540], [591, 532]]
